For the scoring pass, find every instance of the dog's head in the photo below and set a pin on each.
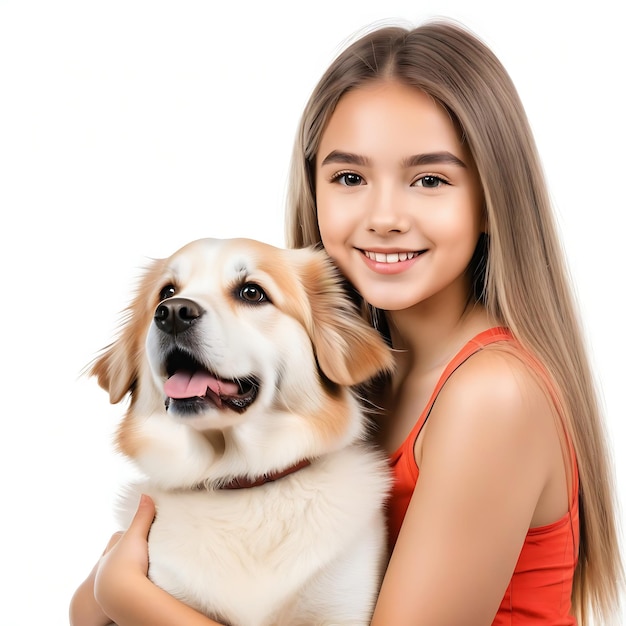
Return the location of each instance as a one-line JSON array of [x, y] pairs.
[[233, 336]]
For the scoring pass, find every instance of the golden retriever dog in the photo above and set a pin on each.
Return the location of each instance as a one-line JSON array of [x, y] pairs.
[[241, 361]]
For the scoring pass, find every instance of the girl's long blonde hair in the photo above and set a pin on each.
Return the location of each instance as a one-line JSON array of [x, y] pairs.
[[519, 273]]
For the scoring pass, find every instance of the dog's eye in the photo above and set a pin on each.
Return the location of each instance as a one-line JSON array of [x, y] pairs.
[[167, 292], [252, 293]]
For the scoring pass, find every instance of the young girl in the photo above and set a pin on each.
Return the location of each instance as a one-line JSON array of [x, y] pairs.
[[416, 169]]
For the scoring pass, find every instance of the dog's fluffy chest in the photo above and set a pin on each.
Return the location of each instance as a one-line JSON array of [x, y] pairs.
[[274, 547]]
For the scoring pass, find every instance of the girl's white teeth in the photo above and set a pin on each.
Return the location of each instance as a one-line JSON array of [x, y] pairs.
[[395, 257]]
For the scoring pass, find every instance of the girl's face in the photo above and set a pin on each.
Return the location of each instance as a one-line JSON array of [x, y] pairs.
[[398, 197]]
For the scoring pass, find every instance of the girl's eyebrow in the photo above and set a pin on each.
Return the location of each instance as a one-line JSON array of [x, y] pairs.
[[337, 156], [433, 158], [429, 158]]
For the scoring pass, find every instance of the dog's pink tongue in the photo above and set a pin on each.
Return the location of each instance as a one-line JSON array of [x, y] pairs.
[[187, 385]]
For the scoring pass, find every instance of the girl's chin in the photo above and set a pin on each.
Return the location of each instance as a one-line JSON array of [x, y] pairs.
[[389, 301]]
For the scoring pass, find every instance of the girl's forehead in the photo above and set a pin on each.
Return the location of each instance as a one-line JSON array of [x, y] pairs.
[[388, 116]]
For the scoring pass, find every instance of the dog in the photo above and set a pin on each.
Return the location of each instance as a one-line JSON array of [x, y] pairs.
[[242, 362]]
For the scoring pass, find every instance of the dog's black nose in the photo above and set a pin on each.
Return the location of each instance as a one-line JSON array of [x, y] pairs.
[[176, 315]]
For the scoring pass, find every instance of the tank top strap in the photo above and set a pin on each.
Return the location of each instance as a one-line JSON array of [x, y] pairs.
[[475, 344]]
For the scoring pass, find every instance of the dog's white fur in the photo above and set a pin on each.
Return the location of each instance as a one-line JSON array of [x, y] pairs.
[[309, 547]]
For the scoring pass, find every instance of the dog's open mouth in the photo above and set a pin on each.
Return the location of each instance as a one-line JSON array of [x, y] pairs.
[[190, 387]]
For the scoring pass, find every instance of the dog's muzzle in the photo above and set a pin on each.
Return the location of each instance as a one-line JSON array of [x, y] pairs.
[[192, 387]]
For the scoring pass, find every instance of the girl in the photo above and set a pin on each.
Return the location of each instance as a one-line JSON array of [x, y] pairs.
[[415, 168]]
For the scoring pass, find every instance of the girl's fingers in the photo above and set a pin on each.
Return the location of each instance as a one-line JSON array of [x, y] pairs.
[[143, 518]]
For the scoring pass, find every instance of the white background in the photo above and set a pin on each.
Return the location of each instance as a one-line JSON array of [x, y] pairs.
[[128, 128]]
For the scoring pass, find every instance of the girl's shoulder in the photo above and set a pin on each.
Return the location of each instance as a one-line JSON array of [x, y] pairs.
[[500, 383], [497, 401]]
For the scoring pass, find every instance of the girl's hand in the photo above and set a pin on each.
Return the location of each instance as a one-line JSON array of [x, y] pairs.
[[125, 556], [125, 563]]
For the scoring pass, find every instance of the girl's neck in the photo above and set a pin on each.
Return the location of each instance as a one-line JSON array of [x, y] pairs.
[[427, 338]]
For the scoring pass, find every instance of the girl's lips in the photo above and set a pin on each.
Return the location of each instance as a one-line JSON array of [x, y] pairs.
[[390, 262]]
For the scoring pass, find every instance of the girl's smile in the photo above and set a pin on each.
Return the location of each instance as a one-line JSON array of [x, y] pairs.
[[391, 262]]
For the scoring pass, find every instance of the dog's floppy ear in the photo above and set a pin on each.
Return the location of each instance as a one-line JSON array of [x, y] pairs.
[[117, 367], [349, 351], [113, 370]]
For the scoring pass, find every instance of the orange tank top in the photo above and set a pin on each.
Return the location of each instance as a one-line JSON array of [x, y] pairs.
[[540, 589]]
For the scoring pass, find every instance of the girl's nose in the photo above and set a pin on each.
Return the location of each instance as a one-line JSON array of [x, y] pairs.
[[388, 214]]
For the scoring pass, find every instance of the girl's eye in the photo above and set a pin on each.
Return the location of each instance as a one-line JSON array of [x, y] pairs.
[[348, 179], [430, 181], [167, 292], [253, 294]]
